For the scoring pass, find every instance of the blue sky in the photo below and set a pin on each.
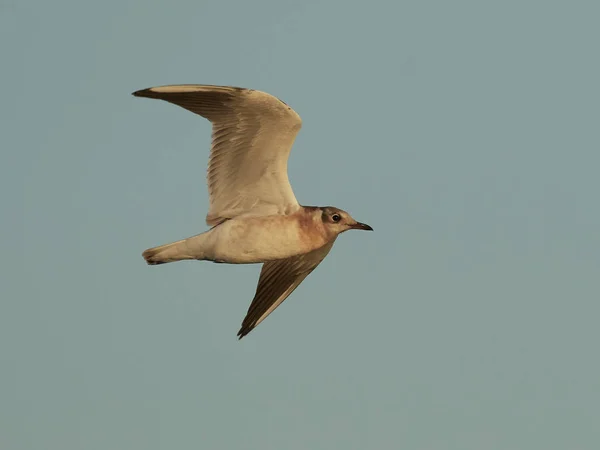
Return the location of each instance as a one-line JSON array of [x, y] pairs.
[[465, 133]]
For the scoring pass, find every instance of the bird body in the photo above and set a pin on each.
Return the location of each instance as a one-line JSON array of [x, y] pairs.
[[250, 239], [254, 214]]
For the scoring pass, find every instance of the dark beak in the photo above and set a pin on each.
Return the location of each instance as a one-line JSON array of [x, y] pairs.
[[361, 226]]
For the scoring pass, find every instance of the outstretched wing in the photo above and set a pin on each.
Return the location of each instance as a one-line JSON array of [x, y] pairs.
[[277, 281], [252, 136]]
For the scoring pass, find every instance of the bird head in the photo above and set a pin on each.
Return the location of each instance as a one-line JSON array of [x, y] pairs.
[[337, 221]]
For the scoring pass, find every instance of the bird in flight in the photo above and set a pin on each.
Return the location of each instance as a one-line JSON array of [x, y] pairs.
[[254, 215]]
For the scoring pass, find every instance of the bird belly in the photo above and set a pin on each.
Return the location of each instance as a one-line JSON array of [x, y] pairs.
[[259, 239]]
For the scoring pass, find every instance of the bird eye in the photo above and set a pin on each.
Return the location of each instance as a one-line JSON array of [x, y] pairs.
[[336, 217]]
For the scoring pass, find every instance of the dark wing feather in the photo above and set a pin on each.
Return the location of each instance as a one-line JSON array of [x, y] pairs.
[[277, 281]]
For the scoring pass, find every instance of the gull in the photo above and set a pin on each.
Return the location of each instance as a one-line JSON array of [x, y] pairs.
[[253, 212]]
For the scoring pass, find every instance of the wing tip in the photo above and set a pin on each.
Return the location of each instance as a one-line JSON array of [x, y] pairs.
[[244, 330], [247, 326], [144, 93], [187, 89], [161, 91]]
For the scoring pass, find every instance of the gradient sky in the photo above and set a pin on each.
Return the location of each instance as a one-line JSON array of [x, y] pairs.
[[464, 132]]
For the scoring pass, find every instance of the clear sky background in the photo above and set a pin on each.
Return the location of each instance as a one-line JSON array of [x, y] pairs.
[[465, 132]]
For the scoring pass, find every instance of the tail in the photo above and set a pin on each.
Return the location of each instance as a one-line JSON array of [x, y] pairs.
[[175, 251]]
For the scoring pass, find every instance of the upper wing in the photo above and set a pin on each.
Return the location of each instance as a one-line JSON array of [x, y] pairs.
[[277, 281], [253, 133]]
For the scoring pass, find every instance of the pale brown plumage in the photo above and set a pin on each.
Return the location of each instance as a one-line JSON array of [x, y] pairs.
[[253, 210], [253, 133]]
